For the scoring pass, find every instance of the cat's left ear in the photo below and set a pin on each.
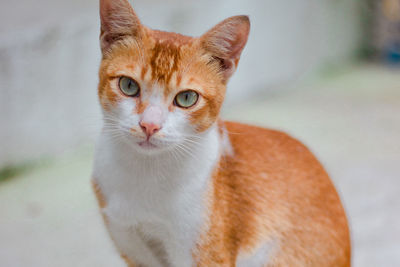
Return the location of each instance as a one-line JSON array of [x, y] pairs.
[[225, 42], [118, 20]]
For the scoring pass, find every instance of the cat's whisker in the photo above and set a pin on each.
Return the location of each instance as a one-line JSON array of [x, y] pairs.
[[114, 128], [171, 152], [140, 51], [192, 141], [186, 151], [116, 137], [113, 119], [194, 136], [186, 68], [118, 126], [122, 124]]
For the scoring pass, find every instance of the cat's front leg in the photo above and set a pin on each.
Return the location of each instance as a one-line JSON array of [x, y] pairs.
[[132, 247], [180, 251]]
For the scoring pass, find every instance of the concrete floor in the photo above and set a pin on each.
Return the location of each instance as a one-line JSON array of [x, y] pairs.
[[350, 119]]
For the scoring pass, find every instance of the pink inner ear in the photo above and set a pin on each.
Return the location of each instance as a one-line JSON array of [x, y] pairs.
[[225, 43], [115, 14], [117, 21], [227, 39], [237, 45]]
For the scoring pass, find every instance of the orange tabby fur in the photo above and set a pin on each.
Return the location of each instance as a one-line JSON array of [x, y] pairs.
[[271, 189]]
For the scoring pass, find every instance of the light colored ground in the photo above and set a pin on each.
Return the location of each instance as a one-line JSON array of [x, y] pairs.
[[351, 120]]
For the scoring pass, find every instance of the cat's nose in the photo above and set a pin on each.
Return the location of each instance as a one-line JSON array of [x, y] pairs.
[[149, 128]]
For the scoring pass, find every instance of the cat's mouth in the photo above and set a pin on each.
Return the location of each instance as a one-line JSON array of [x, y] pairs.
[[147, 144]]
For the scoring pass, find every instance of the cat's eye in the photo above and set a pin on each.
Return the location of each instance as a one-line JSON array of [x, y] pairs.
[[186, 99], [129, 86]]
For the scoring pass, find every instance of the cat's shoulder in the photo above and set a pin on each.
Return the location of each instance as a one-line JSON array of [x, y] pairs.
[[254, 138]]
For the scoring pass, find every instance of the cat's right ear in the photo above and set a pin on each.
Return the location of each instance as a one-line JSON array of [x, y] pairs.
[[118, 20], [225, 42]]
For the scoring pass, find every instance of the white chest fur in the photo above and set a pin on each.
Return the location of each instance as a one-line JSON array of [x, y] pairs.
[[155, 204]]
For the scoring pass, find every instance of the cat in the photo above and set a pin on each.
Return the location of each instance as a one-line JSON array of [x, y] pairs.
[[178, 186]]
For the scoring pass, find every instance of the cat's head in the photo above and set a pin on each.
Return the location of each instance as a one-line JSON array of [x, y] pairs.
[[159, 89]]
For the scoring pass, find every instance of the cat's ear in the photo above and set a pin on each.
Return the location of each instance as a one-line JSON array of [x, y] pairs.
[[118, 20], [225, 42]]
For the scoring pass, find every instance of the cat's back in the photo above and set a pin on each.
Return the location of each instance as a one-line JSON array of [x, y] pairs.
[[273, 156], [269, 150], [273, 189]]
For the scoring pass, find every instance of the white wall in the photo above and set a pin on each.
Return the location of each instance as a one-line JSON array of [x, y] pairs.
[[49, 58]]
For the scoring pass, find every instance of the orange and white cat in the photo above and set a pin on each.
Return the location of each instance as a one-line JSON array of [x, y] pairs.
[[176, 185]]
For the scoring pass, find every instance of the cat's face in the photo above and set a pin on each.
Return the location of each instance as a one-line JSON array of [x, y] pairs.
[[157, 89]]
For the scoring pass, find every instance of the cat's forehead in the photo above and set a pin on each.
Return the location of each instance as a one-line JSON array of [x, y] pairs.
[[166, 54], [163, 61]]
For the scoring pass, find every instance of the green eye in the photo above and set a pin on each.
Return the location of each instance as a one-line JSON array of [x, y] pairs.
[[129, 86], [186, 99]]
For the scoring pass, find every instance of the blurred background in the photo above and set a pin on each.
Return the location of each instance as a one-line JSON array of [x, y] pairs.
[[325, 71]]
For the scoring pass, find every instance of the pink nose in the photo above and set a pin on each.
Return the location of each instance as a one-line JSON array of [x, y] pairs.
[[149, 128]]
